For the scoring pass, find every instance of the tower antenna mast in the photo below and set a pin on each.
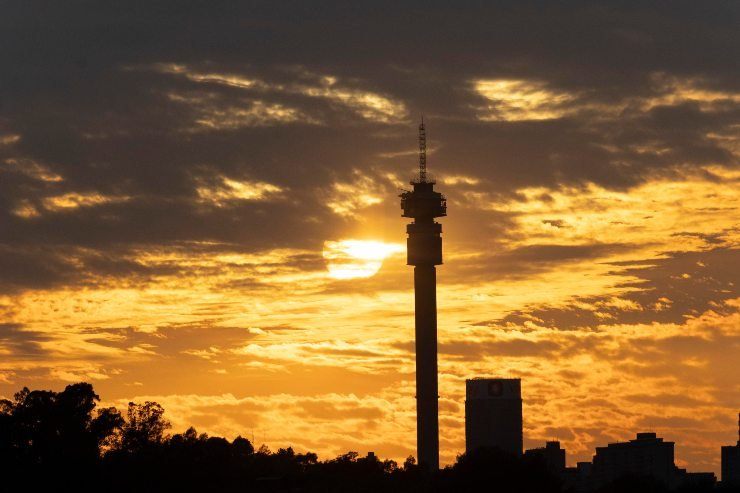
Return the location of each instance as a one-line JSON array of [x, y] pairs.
[[422, 152]]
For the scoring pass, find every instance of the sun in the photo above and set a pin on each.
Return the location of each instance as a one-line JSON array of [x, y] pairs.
[[348, 259]]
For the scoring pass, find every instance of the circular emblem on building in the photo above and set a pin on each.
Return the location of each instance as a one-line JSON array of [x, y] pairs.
[[496, 388]]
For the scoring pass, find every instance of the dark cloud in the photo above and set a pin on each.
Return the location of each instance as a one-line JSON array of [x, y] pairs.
[[558, 253], [666, 290], [21, 342], [527, 260], [44, 267], [25, 269], [475, 350], [92, 102]]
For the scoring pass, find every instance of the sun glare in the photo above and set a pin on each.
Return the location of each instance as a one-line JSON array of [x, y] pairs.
[[347, 259]]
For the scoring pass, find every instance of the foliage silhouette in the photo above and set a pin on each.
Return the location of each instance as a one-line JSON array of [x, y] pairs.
[[490, 468], [145, 426]]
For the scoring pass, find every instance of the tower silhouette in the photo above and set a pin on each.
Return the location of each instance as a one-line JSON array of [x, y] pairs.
[[424, 247]]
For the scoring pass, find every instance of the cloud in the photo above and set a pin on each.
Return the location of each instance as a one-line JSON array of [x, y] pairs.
[[210, 116], [507, 347], [459, 180], [370, 357], [167, 191], [75, 200], [228, 190], [367, 104], [517, 100], [30, 168], [523, 100], [15, 340], [347, 199]]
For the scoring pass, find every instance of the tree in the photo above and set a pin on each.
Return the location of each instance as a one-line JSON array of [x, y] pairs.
[[145, 426], [242, 447], [53, 440], [107, 427], [484, 467]]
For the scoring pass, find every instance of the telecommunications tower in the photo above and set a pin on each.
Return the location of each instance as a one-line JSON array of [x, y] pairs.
[[424, 247]]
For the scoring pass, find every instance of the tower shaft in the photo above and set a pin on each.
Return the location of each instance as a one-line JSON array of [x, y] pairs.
[[427, 420]]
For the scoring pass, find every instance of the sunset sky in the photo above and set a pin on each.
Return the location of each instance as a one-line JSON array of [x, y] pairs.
[[199, 206]]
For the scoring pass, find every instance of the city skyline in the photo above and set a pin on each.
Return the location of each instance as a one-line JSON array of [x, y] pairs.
[[199, 207], [52, 438]]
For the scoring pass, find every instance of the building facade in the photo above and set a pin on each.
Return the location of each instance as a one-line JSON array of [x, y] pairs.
[[493, 414]]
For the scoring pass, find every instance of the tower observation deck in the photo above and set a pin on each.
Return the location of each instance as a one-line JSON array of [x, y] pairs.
[[424, 247]]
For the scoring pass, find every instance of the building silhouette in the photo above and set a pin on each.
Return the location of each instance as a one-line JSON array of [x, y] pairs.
[[646, 456], [577, 478], [698, 481], [731, 461], [493, 414], [424, 247], [551, 454]]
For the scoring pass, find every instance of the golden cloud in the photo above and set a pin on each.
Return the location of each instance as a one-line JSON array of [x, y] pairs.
[[74, 200], [517, 100], [32, 169], [369, 105], [348, 198], [228, 190]]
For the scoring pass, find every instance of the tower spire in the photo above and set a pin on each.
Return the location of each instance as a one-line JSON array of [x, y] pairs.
[[422, 152]]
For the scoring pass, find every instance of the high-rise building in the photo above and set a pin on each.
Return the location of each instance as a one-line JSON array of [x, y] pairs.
[[493, 414], [731, 461], [645, 456], [424, 247]]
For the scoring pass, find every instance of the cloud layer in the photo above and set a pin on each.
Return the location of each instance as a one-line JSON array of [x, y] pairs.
[[179, 181]]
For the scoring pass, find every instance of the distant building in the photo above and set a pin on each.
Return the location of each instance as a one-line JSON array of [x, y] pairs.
[[731, 464], [698, 481], [646, 456], [731, 461], [577, 478], [552, 455], [493, 414]]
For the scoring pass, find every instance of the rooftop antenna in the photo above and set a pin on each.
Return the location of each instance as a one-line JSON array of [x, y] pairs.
[[422, 152]]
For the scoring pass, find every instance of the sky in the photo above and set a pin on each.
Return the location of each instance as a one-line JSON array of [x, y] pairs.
[[199, 206]]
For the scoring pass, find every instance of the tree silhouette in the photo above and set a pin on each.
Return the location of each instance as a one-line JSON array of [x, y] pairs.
[[487, 468], [46, 434], [145, 426]]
